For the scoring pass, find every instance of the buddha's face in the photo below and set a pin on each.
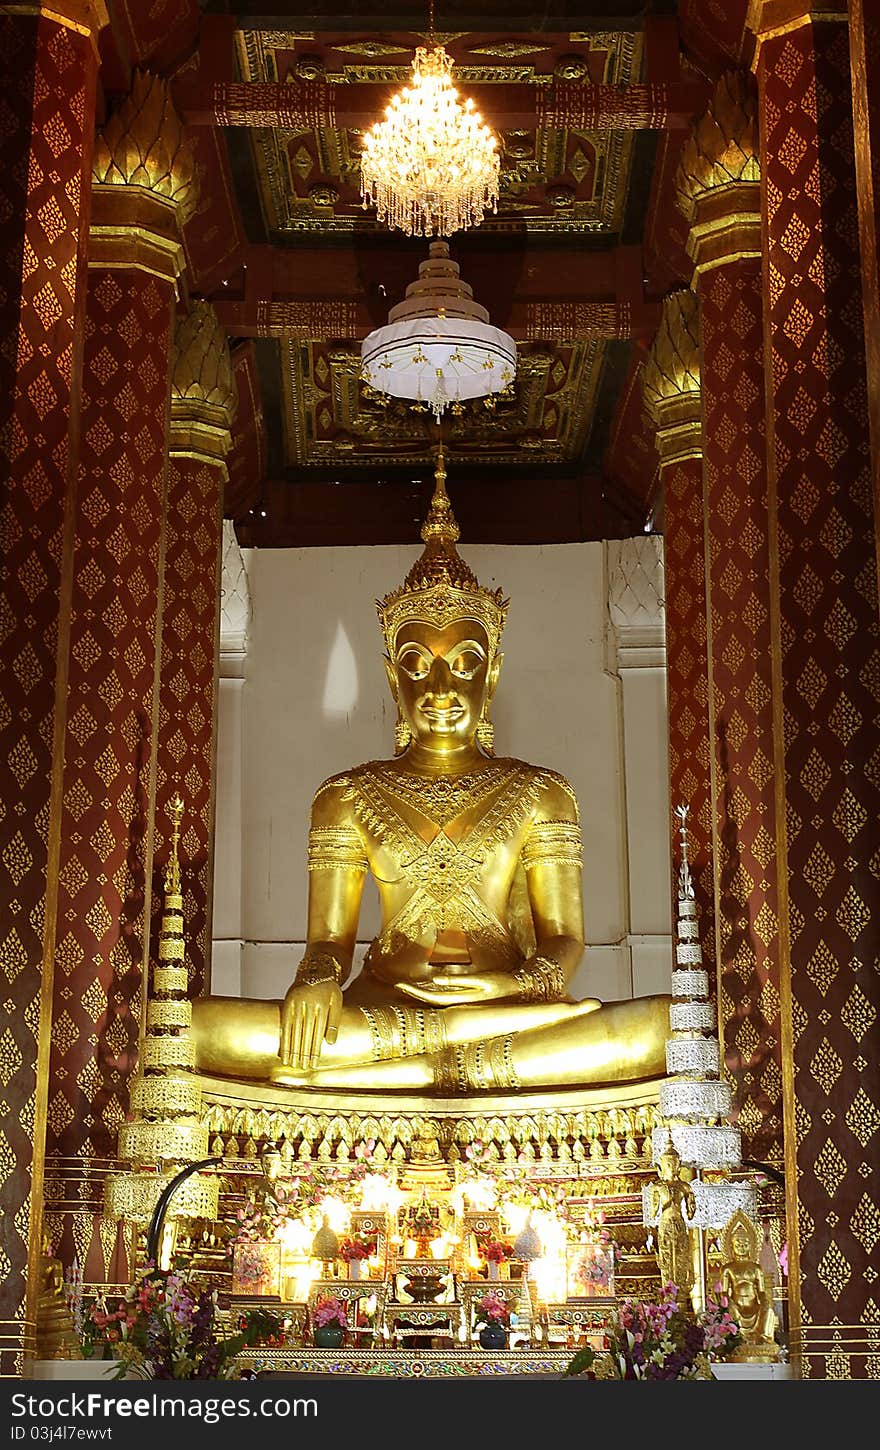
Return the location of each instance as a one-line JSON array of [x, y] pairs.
[[441, 679]]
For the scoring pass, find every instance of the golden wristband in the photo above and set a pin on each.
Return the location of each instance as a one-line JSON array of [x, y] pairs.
[[321, 967]]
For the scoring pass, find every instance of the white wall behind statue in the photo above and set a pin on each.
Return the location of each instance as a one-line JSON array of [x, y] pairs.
[[314, 700]]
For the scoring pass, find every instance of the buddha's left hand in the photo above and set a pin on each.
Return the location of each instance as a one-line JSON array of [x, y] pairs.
[[447, 990]]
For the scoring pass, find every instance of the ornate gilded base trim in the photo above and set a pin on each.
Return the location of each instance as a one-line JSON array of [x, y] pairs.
[[608, 1127], [409, 1364]]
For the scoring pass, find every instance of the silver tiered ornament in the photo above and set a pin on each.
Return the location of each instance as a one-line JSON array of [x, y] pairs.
[[693, 1099], [165, 1132]]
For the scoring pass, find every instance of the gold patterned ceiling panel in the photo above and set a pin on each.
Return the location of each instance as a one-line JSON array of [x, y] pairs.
[[329, 419], [552, 179]]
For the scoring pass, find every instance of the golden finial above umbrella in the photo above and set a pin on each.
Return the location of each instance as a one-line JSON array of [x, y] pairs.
[[440, 586]]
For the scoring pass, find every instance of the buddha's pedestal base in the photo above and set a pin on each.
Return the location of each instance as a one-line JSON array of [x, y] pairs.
[[609, 1127], [563, 1150]]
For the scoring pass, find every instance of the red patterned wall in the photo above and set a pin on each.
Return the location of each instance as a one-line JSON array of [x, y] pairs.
[[247, 457], [47, 102], [631, 457], [688, 675], [187, 696], [830, 669], [735, 480], [214, 236], [712, 30], [159, 32], [110, 731], [667, 263]]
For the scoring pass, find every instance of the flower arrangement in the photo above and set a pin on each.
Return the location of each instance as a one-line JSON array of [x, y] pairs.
[[166, 1329], [661, 1341], [721, 1329], [270, 1206], [496, 1251], [103, 1328], [477, 1151], [520, 1185], [274, 1201], [356, 1248], [491, 1309], [329, 1310], [594, 1268], [364, 1151]]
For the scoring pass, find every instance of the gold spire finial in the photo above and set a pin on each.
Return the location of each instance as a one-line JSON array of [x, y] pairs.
[[440, 586], [174, 811], [440, 523]]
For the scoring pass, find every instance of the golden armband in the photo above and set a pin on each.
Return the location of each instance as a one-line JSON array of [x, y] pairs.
[[404, 1031], [540, 981], [335, 846], [553, 843], [470, 1067]]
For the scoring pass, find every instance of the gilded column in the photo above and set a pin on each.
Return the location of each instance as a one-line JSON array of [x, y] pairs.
[[822, 530], [718, 188], [203, 397], [48, 63], [671, 381], [143, 191], [864, 50]]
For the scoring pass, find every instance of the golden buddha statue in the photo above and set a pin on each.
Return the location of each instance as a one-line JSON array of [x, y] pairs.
[[749, 1289], [669, 1200], [56, 1335], [477, 861]]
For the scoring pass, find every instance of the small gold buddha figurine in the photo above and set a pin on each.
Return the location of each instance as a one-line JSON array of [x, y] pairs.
[[671, 1200], [56, 1334], [748, 1288], [425, 1148], [478, 866]]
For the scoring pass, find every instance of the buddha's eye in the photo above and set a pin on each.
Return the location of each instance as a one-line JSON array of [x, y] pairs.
[[413, 663], [466, 664]]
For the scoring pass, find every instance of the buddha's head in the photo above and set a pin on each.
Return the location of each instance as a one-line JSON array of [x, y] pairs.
[[442, 630], [669, 1164], [741, 1245]]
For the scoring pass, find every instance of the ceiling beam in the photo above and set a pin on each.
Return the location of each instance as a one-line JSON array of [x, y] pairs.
[[523, 17], [553, 507], [534, 292], [326, 319], [299, 105]]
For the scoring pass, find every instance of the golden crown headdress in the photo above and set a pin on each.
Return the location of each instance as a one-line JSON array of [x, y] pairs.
[[440, 587]]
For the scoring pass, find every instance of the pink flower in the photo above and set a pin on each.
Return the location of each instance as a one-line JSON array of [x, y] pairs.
[[492, 1310], [783, 1259], [330, 1310], [494, 1251]]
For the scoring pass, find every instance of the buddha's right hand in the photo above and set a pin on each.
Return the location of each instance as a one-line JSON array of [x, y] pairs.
[[310, 1016], [397, 960]]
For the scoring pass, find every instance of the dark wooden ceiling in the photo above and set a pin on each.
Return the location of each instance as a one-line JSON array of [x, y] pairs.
[[590, 107]]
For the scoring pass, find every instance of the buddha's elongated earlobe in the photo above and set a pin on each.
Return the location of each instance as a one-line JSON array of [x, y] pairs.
[[486, 732], [485, 729], [402, 734]]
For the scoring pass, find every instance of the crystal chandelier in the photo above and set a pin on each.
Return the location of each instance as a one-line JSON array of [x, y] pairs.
[[431, 167], [438, 349]]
